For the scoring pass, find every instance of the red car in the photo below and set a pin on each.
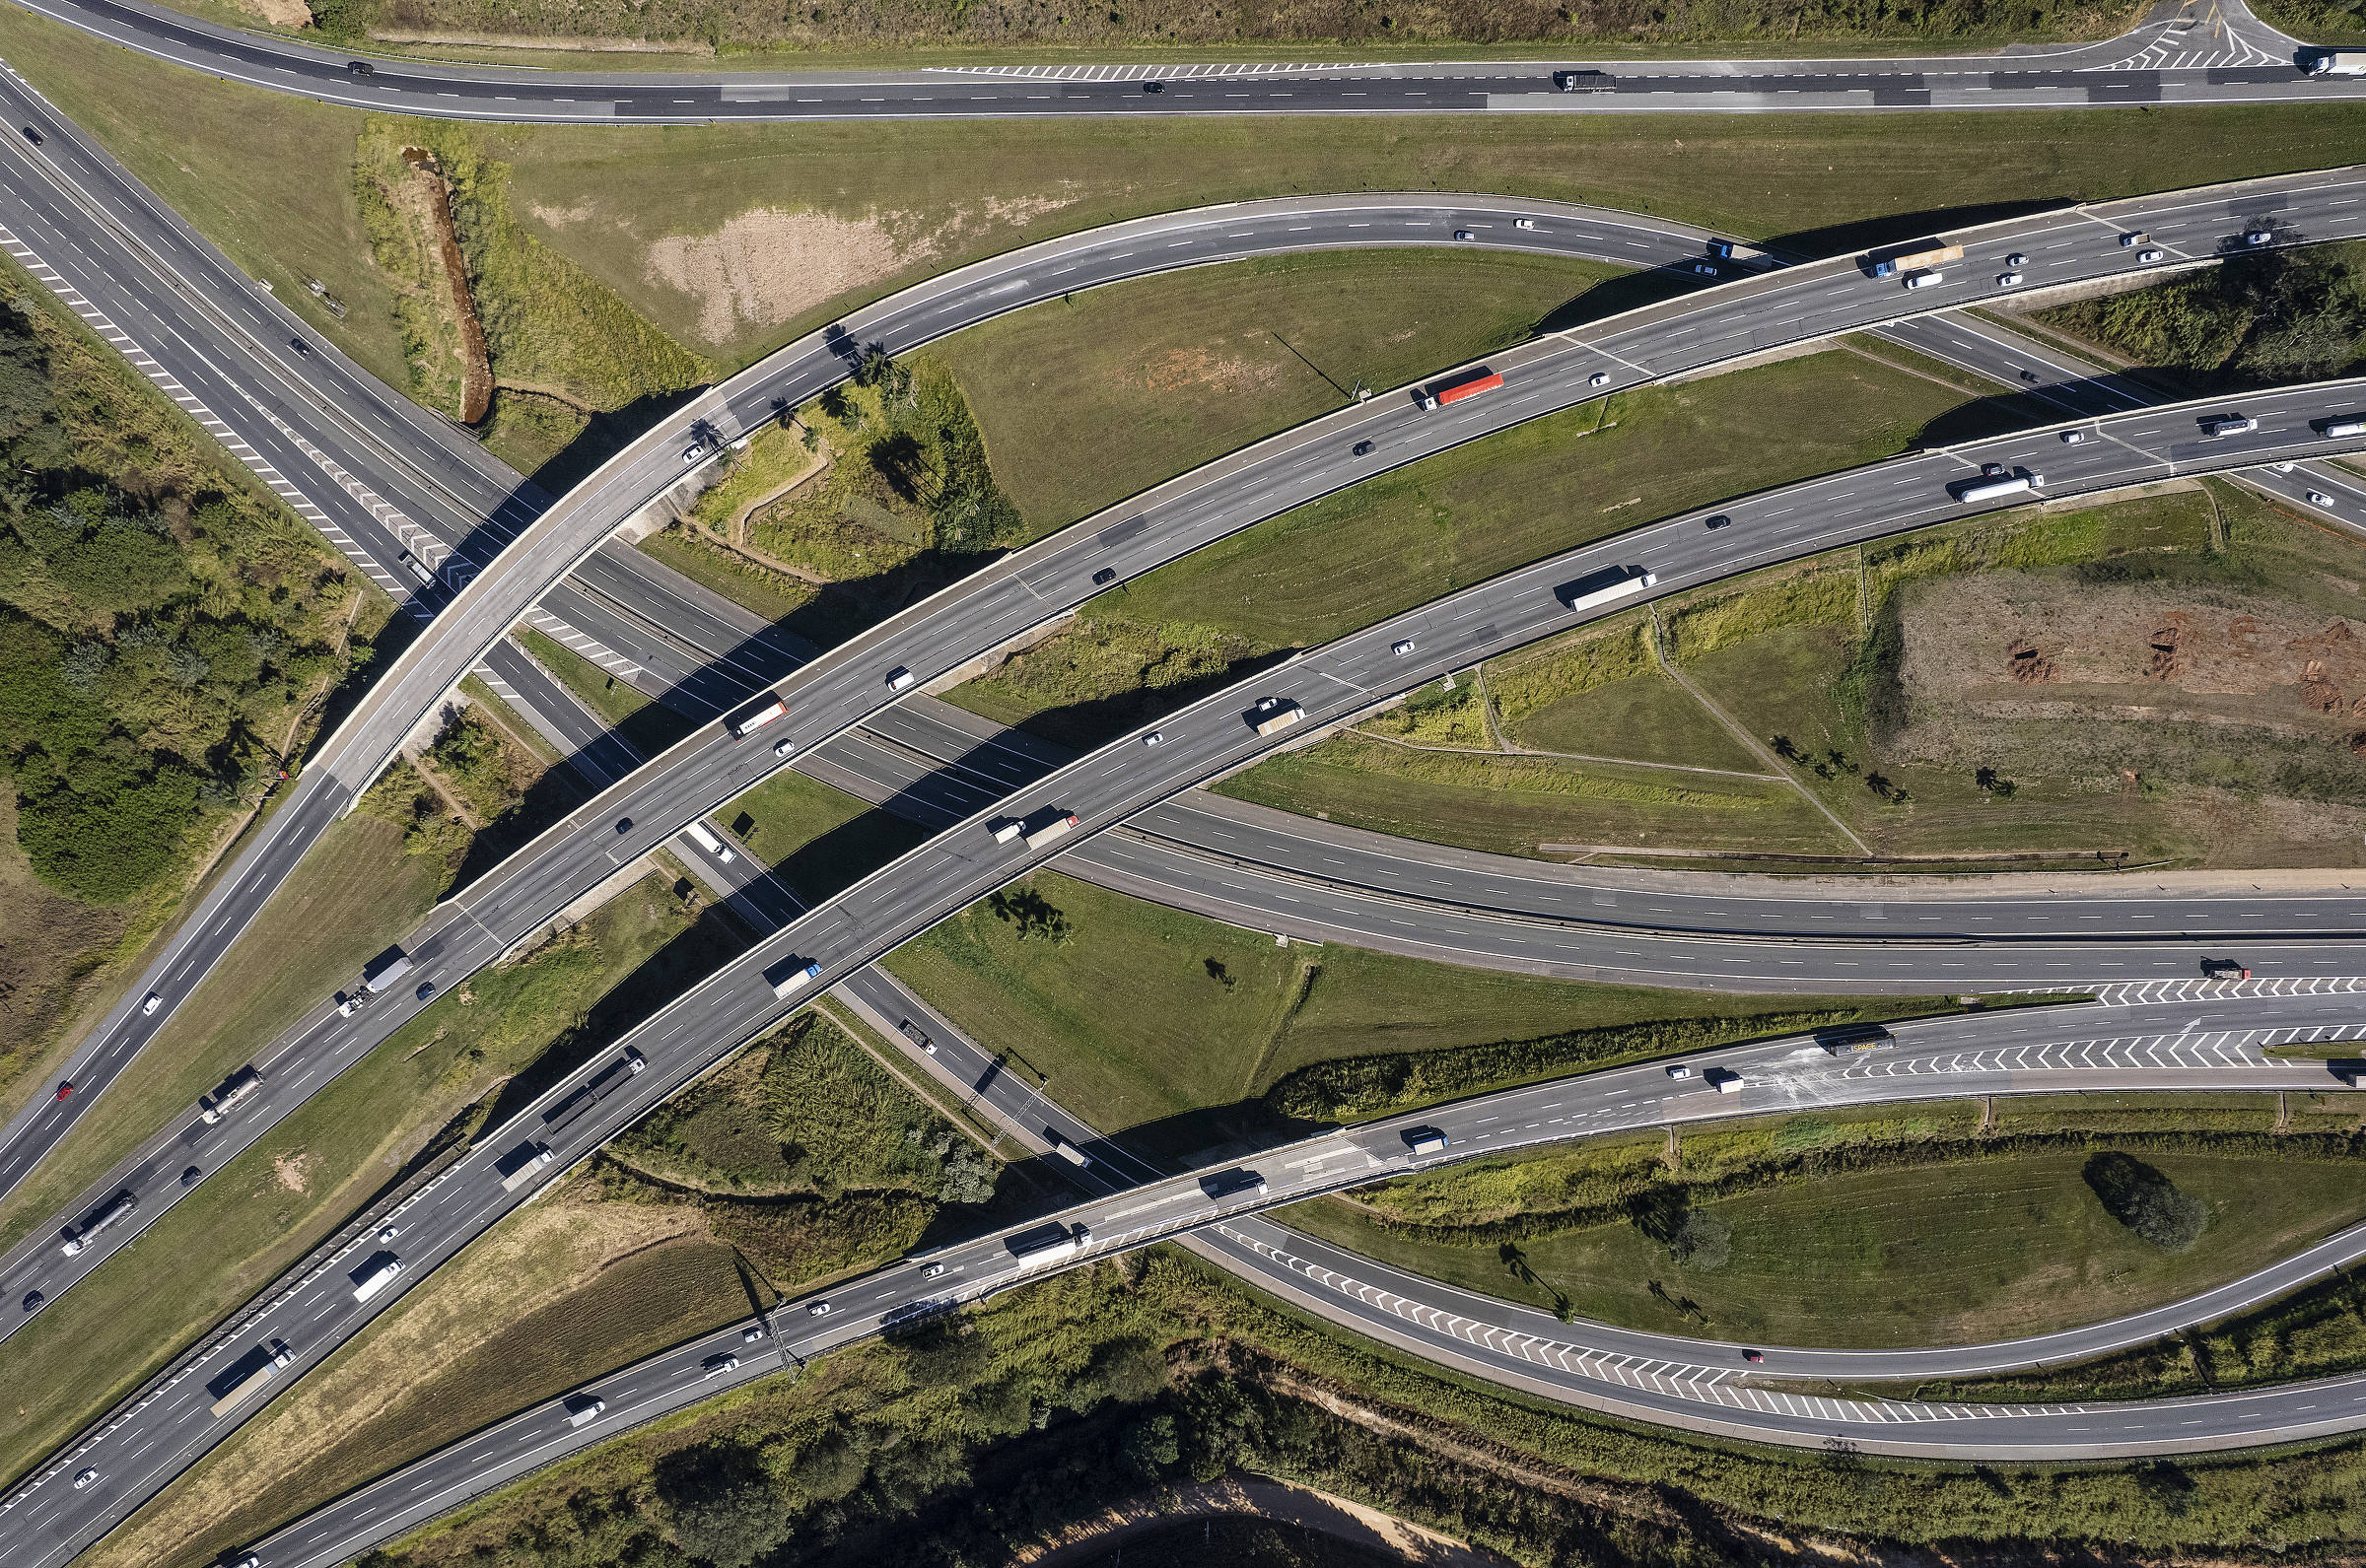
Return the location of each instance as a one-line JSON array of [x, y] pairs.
[[64, 1090], [1754, 1356]]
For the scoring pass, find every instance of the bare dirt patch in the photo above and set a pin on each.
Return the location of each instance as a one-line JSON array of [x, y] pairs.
[[1178, 368], [765, 265], [294, 1171], [279, 12]]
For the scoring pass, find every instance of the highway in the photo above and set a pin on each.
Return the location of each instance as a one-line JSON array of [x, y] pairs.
[[755, 991], [2233, 58], [1751, 936], [1654, 1378]]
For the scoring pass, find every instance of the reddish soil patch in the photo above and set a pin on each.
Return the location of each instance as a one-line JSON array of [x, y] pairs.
[[476, 384], [2026, 664]]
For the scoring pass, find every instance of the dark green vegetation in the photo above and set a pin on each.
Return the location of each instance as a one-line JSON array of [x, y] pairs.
[[2283, 317], [739, 26], [167, 633], [1214, 1031], [479, 1052], [806, 1155], [1931, 1227], [2203, 641], [1447, 521], [969, 1441]]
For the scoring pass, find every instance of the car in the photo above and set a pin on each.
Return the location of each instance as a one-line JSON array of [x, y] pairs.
[[1156, 737], [932, 1272], [303, 349], [2016, 259], [191, 1176], [1362, 448], [360, 68], [427, 989], [2223, 968], [2283, 468], [148, 1008], [715, 1366], [34, 1300], [899, 679], [1704, 269], [819, 1308], [387, 1233], [2259, 236], [1154, 87], [693, 453], [2008, 280], [2031, 377], [2129, 241], [1523, 223], [624, 825], [1104, 576], [33, 136], [751, 1334], [1720, 520], [65, 1090], [1464, 234], [1598, 378], [2317, 498], [84, 1480], [1754, 1356], [250, 1560], [2074, 437], [1680, 1070], [783, 748], [2148, 256], [1402, 647]]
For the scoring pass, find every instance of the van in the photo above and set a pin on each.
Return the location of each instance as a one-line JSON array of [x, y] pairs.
[[1923, 279], [899, 679], [2229, 425], [583, 1412]]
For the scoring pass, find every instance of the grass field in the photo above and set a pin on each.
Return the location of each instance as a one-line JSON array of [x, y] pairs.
[[1211, 1016], [663, 216], [233, 1233], [1158, 375], [818, 837], [647, 723], [1950, 1254]]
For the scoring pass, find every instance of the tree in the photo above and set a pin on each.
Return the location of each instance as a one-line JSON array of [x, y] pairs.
[[2144, 1198], [720, 1505], [1150, 1445]]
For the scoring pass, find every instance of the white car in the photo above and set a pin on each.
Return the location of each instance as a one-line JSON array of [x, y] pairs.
[[932, 1272], [2317, 498], [1463, 233], [2008, 280], [717, 1366], [1598, 378], [819, 1308], [693, 453], [899, 679], [750, 1335], [1156, 737], [1401, 647], [2148, 256], [84, 1480], [2283, 468], [2259, 236], [1680, 1071], [1523, 223], [1704, 269], [2016, 259], [388, 1232], [783, 748], [148, 1008], [2074, 437]]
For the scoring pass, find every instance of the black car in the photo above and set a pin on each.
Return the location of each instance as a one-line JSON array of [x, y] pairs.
[[34, 1300], [190, 1177], [1363, 449], [427, 989], [33, 136], [360, 68], [1154, 87], [301, 347], [624, 825], [1104, 576], [1720, 520]]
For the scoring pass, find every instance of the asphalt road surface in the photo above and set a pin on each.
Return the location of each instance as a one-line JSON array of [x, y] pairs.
[[2235, 58], [1658, 1377]]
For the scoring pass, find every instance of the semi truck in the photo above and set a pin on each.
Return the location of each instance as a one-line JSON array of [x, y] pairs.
[[1231, 1184], [595, 1089], [1742, 256], [1927, 253], [704, 837], [1582, 81], [1053, 831], [383, 971], [748, 724], [275, 1355], [1606, 586], [116, 1211], [2340, 62], [1995, 481], [230, 1094], [1274, 715], [1048, 1244], [521, 1164], [790, 976], [1853, 1037], [1487, 381], [375, 1275]]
